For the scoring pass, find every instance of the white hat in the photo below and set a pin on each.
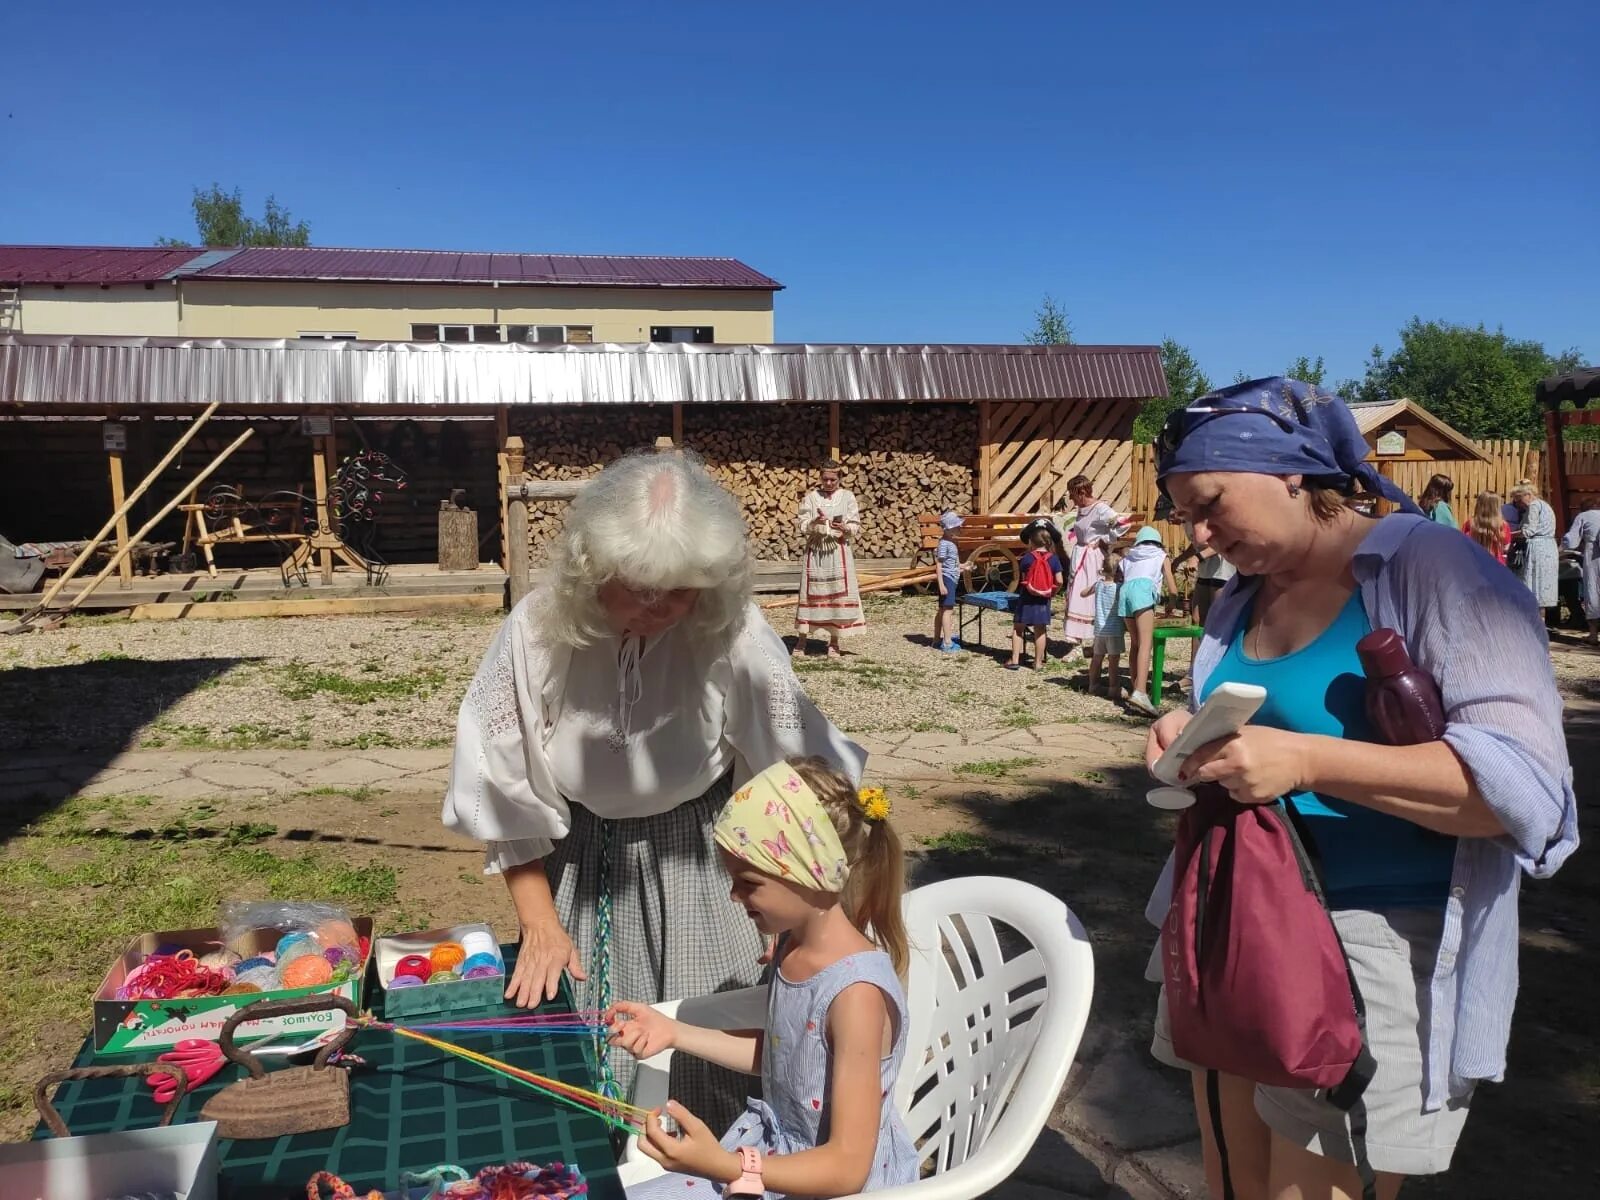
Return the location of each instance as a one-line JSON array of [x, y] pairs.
[[951, 520]]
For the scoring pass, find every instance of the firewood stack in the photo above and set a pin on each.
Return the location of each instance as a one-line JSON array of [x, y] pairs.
[[899, 461]]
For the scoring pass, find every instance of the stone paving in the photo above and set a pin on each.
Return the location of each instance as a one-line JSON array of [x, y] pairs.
[[1123, 1129]]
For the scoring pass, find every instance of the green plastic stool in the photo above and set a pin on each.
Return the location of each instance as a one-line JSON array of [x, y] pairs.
[[1158, 652]]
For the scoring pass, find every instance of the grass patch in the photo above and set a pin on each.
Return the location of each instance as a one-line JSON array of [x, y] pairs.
[[964, 696], [378, 739], [72, 898], [358, 794], [248, 735], [1093, 776], [927, 726], [298, 681], [997, 768], [110, 656], [958, 841], [1017, 715]]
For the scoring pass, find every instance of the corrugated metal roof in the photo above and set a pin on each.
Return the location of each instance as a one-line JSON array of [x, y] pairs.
[[137, 264], [40, 370], [449, 266], [91, 264]]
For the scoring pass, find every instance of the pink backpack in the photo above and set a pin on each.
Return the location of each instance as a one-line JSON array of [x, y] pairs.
[[1241, 996]]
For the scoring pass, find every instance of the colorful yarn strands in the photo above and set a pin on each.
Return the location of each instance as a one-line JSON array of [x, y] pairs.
[[514, 1181], [602, 960], [590, 1023], [614, 1112]]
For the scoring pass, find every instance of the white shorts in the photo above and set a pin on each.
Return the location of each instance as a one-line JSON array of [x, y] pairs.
[[1392, 955], [1109, 644]]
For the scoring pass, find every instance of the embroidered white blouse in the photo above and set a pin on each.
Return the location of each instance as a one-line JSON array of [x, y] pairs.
[[624, 730]]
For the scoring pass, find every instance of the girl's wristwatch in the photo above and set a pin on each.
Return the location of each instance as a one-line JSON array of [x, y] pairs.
[[749, 1183]]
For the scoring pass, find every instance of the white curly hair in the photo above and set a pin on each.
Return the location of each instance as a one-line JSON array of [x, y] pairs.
[[653, 521]]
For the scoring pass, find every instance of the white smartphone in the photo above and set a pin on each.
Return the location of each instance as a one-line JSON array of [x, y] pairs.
[[1227, 709]]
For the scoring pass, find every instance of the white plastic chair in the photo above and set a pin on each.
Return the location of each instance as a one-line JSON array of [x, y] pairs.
[[990, 1037]]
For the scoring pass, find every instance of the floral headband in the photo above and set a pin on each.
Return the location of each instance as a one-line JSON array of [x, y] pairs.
[[777, 825]]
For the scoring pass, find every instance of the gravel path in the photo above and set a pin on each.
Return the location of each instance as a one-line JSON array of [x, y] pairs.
[[376, 681]]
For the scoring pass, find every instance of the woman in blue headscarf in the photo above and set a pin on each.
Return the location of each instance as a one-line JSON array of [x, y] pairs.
[[1419, 846]]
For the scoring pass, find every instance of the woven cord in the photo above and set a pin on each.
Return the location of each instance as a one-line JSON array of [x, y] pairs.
[[602, 963]]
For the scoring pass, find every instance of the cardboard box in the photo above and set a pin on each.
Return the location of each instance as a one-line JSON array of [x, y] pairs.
[[399, 1003], [126, 1025], [179, 1160]]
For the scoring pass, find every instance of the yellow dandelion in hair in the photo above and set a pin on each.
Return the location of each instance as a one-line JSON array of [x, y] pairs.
[[874, 804]]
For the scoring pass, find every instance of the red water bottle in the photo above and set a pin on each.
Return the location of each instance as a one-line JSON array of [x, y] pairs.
[[1403, 701]]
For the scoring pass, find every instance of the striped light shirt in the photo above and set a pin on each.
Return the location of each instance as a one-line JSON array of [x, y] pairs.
[[1472, 625]]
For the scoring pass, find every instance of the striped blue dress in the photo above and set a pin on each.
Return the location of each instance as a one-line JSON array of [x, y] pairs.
[[794, 1114]]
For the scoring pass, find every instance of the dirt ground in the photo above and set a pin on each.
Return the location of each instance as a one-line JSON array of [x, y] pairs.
[[74, 875]]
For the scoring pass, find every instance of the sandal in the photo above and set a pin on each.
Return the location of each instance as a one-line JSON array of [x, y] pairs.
[[835, 652]]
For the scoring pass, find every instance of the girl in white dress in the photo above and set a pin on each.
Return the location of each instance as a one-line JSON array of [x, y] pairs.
[[830, 596], [1093, 530]]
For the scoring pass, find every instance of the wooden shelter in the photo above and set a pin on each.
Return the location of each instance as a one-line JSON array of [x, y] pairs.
[[1410, 445], [1569, 491], [916, 427]]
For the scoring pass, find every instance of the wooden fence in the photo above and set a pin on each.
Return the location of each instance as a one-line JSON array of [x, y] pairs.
[[1027, 451], [1508, 462]]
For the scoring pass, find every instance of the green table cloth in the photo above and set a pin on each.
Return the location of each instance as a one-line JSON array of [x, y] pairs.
[[411, 1108]]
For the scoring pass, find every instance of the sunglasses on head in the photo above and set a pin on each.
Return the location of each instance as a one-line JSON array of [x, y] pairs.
[[1184, 421]]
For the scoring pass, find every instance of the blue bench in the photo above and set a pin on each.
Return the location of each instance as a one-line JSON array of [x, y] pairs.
[[1000, 602]]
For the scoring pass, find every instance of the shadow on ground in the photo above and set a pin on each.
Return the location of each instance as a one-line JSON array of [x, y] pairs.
[[1100, 848], [85, 714]]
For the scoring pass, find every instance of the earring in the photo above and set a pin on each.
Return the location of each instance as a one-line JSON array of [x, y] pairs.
[[1294, 489]]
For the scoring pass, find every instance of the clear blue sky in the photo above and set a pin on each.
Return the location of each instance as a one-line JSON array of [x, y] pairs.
[[1255, 182]]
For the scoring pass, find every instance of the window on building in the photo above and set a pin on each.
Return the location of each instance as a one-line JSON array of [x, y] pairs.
[[549, 335], [318, 335], [486, 333], [682, 333], [424, 333], [553, 335]]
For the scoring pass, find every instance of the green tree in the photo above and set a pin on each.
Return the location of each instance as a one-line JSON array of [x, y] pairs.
[[220, 220], [1051, 326], [1306, 371], [1477, 380], [1185, 382]]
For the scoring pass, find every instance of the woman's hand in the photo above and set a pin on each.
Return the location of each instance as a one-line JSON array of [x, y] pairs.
[[695, 1151], [546, 951], [1162, 734], [1256, 765], [639, 1029]]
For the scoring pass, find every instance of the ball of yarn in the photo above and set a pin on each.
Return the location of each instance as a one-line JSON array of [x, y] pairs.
[[446, 956], [220, 959], [478, 941], [443, 977], [404, 981], [250, 964], [340, 954], [414, 964], [308, 970], [482, 972], [336, 932], [263, 978], [342, 971], [483, 960], [237, 988], [306, 947]]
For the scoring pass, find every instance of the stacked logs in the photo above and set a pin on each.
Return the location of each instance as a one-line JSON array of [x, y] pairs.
[[899, 460]]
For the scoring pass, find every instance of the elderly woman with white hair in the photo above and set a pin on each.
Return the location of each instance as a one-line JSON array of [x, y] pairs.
[[613, 714], [1539, 566]]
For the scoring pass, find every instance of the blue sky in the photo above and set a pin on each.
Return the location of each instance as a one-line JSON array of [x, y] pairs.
[[1258, 181]]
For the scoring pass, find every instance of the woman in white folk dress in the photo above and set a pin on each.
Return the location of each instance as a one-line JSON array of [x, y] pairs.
[[830, 595]]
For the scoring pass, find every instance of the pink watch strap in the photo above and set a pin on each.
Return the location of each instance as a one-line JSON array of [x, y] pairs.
[[750, 1182]]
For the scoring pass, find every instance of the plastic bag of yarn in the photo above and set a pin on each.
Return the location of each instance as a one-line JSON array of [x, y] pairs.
[[326, 926]]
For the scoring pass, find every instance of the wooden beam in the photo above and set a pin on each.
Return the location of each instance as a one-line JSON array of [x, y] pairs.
[[677, 424], [545, 489], [327, 471], [119, 504], [1556, 454], [833, 431], [502, 430], [985, 451], [351, 606], [144, 486]]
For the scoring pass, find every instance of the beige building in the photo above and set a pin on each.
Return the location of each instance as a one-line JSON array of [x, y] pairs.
[[381, 295]]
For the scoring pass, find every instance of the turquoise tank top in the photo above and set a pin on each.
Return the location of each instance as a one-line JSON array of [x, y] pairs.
[[1369, 860]]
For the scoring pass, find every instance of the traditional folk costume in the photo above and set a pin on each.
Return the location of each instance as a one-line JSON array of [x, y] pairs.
[[1097, 523], [1541, 570], [1584, 537], [610, 762], [830, 596]]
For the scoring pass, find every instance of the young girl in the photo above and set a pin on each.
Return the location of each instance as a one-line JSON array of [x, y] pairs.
[[1109, 644], [1032, 614], [1487, 526], [1144, 570], [818, 865]]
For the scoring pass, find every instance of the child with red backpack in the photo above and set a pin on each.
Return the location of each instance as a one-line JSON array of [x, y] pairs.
[[1039, 578]]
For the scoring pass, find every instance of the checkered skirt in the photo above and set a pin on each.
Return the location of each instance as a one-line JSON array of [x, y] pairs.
[[674, 931]]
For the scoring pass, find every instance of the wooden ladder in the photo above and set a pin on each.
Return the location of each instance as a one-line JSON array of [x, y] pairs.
[[10, 306]]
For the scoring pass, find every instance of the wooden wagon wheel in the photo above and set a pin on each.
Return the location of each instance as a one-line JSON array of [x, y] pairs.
[[994, 567]]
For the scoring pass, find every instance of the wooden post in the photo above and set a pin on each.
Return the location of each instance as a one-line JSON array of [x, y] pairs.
[[517, 550], [833, 431], [319, 478], [119, 504], [984, 452], [502, 429], [1556, 452], [677, 424]]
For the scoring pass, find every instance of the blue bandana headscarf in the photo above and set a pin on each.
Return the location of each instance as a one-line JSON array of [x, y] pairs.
[[1310, 432]]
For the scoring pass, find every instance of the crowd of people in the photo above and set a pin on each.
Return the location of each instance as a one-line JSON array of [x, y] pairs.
[[672, 815]]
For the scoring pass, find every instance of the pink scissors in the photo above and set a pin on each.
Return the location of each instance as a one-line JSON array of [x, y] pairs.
[[199, 1059]]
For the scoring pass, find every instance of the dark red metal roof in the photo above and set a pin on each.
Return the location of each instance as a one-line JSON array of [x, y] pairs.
[[445, 266], [136, 264], [91, 264]]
